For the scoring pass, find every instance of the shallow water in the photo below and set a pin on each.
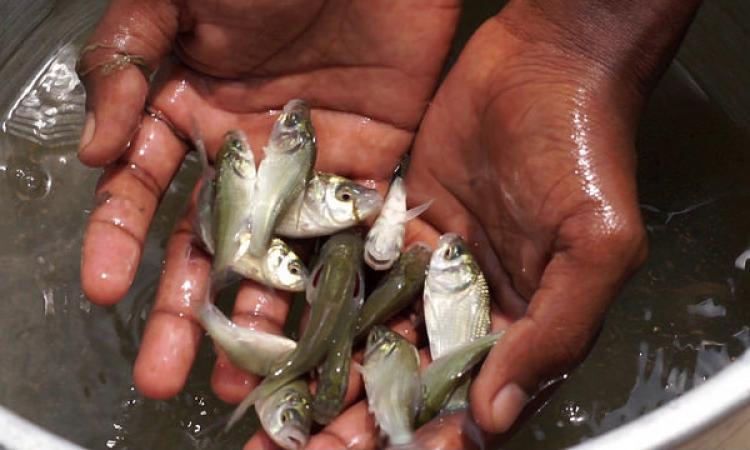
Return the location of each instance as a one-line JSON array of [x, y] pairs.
[[67, 364]]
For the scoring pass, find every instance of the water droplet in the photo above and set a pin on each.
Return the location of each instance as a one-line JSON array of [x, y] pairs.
[[29, 181], [573, 414]]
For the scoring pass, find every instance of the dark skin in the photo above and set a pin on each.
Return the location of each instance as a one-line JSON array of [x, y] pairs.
[[539, 115]]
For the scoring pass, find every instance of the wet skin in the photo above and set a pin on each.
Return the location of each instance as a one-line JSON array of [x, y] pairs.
[[537, 118]]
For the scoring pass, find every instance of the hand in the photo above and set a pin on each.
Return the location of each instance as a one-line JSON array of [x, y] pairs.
[[367, 68], [528, 151]]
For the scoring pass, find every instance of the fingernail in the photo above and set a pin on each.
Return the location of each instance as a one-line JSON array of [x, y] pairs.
[[507, 405], [88, 130]]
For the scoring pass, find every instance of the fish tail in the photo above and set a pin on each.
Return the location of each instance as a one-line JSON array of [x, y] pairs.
[[417, 210], [268, 386], [459, 399], [240, 410], [213, 320]]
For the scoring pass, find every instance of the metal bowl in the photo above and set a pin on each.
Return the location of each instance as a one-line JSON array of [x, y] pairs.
[[714, 415]]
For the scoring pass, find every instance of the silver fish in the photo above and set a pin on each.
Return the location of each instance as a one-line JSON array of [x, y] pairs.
[[250, 350], [283, 173], [285, 415], [234, 187], [391, 376], [386, 237], [280, 267], [223, 207], [330, 203], [456, 297], [333, 288]]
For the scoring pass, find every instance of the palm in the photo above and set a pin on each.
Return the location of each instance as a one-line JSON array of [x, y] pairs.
[[368, 69], [541, 180], [242, 60]]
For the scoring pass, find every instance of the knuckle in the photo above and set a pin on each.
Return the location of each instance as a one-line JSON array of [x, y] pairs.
[[625, 245]]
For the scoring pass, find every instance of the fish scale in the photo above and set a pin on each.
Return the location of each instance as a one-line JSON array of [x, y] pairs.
[[457, 304], [459, 320]]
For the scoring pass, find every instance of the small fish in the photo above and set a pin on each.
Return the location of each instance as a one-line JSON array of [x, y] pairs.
[[234, 187], [250, 350], [397, 289], [280, 267], [391, 375], [456, 297], [386, 237], [223, 207], [283, 173], [285, 415], [330, 203], [332, 288], [447, 373], [333, 378]]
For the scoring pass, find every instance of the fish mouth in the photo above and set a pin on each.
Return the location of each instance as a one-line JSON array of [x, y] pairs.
[[292, 438], [378, 263], [447, 239]]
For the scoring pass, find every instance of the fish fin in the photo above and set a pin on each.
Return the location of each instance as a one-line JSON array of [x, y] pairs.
[[417, 210], [202, 221], [359, 368], [240, 411], [741, 260]]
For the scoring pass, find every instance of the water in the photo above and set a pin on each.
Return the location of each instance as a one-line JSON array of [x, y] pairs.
[[67, 363]]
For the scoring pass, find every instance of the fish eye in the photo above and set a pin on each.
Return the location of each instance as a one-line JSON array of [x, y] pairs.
[[286, 416], [344, 194], [292, 119], [294, 268], [453, 251]]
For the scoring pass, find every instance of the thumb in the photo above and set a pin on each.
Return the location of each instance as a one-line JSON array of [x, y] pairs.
[[128, 43], [563, 317]]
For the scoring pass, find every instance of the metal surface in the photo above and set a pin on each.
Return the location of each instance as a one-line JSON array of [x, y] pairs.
[[17, 433], [715, 415]]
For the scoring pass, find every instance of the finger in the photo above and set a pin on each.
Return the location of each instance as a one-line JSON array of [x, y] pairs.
[[260, 441], [259, 308], [127, 196], [456, 431], [172, 333], [133, 36], [354, 429], [563, 316], [448, 214]]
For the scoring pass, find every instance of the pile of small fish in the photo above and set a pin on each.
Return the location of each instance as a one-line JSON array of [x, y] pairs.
[[242, 216]]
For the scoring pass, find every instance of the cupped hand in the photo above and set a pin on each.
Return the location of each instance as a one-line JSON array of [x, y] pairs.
[[528, 151], [368, 70]]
